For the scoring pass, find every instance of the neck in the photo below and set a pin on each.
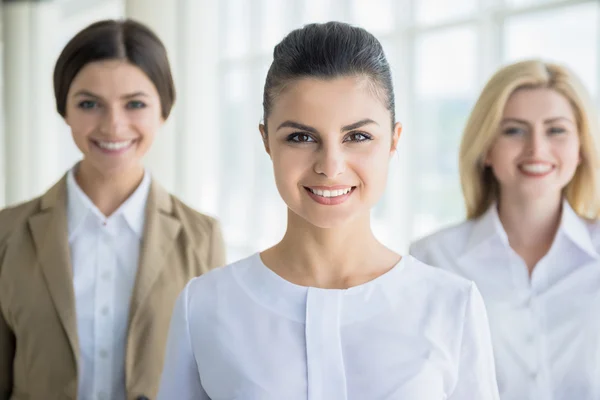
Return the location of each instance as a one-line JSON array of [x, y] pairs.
[[338, 257], [530, 225], [108, 191]]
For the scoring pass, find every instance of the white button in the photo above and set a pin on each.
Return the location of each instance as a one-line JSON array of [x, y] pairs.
[[106, 275], [102, 396], [103, 353], [105, 310]]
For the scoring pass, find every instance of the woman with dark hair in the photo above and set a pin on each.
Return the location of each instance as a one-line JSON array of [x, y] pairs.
[[329, 312], [90, 271]]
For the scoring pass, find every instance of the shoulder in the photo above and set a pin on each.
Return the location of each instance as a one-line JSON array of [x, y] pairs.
[[450, 240], [434, 281], [441, 295], [15, 217], [196, 220], [594, 229], [218, 282]]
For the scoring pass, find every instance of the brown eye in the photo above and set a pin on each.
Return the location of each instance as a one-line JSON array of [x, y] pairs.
[[357, 137], [300, 138]]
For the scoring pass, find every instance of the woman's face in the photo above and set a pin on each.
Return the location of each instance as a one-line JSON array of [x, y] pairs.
[[330, 142], [537, 150], [114, 112]]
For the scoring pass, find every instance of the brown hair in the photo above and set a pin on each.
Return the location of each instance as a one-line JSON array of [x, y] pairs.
[[126, 40]]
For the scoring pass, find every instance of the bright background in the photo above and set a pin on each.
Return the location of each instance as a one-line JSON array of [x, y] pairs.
[[210, 153]]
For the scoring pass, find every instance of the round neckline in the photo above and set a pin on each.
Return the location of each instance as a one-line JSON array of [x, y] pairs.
[[278, 280]]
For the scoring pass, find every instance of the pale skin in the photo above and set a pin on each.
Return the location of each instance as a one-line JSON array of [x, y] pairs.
[[534, 157], [326, 133], [114, 112]]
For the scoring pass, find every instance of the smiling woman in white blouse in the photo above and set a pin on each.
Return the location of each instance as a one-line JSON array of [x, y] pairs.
[[529, 169], [329, 313], [90, 271]]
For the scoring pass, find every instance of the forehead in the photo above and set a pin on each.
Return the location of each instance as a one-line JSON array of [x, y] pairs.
[[337, 101], [112, 77], [538, 103]]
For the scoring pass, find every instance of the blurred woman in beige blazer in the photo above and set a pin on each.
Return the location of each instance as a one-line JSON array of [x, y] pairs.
[[89, 271]]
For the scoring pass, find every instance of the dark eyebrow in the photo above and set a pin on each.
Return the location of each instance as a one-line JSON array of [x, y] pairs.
[[87, 93], [134, 94], [358, 124], [351, 127], [297, 125]]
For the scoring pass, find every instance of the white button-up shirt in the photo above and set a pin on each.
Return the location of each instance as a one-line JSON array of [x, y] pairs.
[[104, 256], [243, 332], [545, 330]]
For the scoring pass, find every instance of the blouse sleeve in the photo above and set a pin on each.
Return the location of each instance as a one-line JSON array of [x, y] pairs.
[[180, 377], [476, 371]]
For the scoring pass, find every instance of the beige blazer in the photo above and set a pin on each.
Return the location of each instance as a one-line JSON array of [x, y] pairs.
[[39, 350]]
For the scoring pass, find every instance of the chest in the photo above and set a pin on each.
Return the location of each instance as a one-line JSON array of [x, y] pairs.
[[262, 355]]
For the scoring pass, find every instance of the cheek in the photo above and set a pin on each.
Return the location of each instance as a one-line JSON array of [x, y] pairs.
[[82, 124], [503, 152], [289, 165], [145, 123], [569, 153], [372, 167]]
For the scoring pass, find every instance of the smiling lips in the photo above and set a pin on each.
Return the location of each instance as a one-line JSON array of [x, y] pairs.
[[114, 147], [330, 196], [536, 169]]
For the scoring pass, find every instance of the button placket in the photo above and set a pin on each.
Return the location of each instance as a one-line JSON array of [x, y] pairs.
[[104, 318], [325, 363]]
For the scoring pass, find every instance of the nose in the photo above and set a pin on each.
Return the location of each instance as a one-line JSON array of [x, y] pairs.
[[331, 161], [113, 121], [537, 142]]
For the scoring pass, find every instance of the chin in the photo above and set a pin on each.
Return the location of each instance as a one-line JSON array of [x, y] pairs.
[[540, 192], [328, 220]]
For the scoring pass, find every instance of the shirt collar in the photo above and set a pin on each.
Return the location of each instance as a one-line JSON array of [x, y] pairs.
[[79, 206], [575, 228], [487, 227]]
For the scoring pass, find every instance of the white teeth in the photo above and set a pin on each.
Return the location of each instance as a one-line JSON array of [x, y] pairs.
[[330, 193], [114, 145], [537, 168]]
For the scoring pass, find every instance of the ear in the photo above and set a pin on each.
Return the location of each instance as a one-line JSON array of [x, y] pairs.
[[265, 138], [395, 137], [487, 160]]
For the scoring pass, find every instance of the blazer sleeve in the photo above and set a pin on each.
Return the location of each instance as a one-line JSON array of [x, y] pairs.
[[217, 256], [180, 377], [476, 369], [7, 347]]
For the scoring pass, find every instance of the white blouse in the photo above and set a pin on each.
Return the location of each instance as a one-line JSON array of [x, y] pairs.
[[243, 332], [104, 255], [545, 330]]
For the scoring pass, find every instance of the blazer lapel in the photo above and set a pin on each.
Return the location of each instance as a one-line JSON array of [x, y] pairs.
[[49, 231], [160, 231]]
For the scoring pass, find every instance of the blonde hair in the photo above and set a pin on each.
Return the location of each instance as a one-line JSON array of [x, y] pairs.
[[480, 187]]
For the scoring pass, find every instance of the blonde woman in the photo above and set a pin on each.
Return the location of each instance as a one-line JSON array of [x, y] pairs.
[[528, 165]]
